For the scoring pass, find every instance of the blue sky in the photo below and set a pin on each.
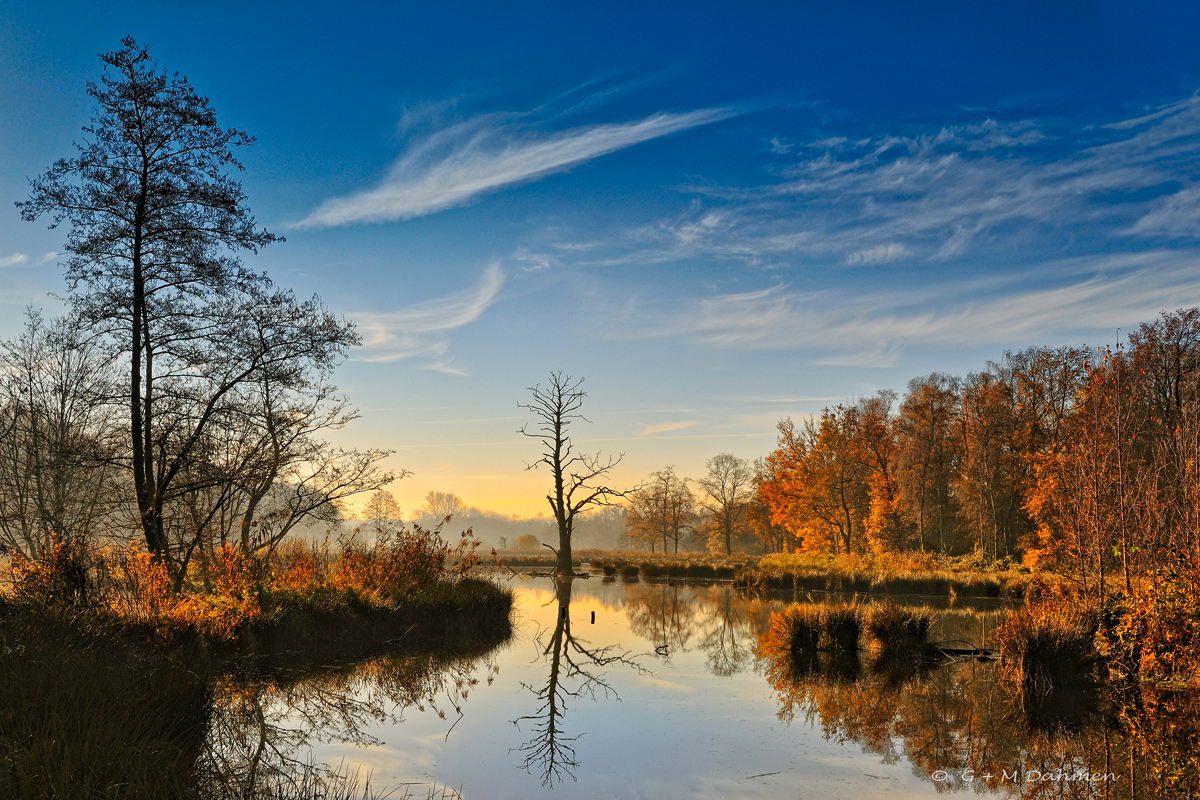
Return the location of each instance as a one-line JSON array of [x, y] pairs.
[[718, 215]]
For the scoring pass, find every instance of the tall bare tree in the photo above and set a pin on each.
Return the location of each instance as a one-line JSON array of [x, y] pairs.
[[156, 225], [576, 478]]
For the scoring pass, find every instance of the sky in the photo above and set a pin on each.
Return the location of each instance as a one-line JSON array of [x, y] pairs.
[[719, 215]]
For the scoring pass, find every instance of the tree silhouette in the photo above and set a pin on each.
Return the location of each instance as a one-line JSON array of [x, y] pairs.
[[156, 225], [575, 476]]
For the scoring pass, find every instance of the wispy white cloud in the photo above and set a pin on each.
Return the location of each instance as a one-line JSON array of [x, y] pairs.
[[664, 427], [779, 147], [445, 366], [532, 261], [13, 260], [1077, 297], [421, 330], [879, 254], [958, 190], [454, 165], [48, 257]]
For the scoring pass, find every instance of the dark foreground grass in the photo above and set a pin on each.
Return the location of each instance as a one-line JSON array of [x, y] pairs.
[[85, 715], [92, 708]]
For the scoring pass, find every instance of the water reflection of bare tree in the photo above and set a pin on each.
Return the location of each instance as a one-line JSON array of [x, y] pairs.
[[573, 675], [262, 728], [662, 613], [726, 636]]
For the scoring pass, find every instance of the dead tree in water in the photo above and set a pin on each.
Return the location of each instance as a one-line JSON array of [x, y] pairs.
[[575, 475]]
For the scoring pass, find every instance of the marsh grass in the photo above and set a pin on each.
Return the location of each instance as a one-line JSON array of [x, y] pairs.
[[898, 639], [797, 629], [842, 627], [804, 629], [1049, 647], [83, 715], [696, 566], [899, 573]]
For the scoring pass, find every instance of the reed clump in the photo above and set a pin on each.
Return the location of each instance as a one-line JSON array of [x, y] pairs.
[[842, 626], [1048, 646], [809, 627], [797, 629], [898, 632]]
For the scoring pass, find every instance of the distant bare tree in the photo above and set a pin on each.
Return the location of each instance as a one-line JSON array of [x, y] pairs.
[[727, 488], [663, 508], [576, 477], [443, 505], [382, 510]]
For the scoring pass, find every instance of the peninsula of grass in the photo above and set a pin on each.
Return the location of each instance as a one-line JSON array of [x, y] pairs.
[[109, 674], [92, 707]]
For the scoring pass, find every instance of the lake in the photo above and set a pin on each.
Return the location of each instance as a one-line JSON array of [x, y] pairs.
[[661, 690]]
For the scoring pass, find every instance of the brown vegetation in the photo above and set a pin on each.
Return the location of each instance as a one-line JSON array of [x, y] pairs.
[[132, 588], [1081, 467], [94, 710]]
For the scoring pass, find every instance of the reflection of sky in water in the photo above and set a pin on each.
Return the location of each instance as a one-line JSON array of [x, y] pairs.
[[679, 730]]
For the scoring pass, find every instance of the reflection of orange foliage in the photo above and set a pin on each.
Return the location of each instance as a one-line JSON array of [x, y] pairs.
[[960, 719]]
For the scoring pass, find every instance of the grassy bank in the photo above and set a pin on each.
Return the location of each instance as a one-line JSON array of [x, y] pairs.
[[630, 564], [107, 676], [908, 573], [90, 708]]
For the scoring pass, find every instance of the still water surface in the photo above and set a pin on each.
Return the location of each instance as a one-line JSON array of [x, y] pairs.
[[666, 694]]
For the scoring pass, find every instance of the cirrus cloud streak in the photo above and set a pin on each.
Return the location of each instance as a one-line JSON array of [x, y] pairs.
[[455, 165], [1087, 296], [421, 329]]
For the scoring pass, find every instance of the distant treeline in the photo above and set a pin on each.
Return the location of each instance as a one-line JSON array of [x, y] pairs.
[[602, 528], [1084, 458], [1089, 459]]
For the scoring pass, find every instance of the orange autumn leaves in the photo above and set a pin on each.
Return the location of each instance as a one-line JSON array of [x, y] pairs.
[[133, 587]]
